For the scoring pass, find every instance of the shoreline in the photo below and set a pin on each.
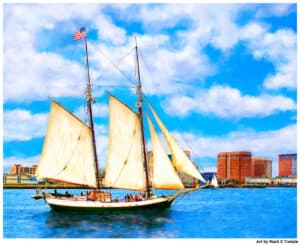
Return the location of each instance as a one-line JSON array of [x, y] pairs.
[[57, 186]]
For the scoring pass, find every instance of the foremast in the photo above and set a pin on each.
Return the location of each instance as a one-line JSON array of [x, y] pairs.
[[91, 100], [140, 111]]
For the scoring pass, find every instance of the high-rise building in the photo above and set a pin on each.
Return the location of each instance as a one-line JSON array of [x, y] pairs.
[[222, 167], [261, 167], [287, 165], [234, 165]]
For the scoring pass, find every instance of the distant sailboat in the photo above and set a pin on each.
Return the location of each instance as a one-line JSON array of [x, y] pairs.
[[214, 182], [69, 156]]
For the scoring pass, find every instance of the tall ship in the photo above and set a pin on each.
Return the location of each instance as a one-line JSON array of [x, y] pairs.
[[69, 155]]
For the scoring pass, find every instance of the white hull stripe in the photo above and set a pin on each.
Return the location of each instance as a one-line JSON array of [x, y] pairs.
[[97, 204]]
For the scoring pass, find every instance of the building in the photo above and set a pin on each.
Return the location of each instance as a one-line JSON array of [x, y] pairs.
[[272, 181], [234, 166], [19, 169], [287, 165], [17, 179], [261, 167]]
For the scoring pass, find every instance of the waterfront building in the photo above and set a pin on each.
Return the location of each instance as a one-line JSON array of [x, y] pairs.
[[221, 166], [272, 181], [17, 169], [17, 179], [261, 167], [287, 165], [234, 166]]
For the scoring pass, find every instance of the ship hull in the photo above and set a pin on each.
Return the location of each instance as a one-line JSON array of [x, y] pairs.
[[96, 206]]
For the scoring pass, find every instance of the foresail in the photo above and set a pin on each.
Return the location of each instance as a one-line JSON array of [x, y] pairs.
[[163, 175], [124, 162], [67, 153], [179, 158]]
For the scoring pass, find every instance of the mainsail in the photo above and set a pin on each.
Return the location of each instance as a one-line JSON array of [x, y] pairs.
[[164, 175], [124, 162], [67, 153], [179, 158]]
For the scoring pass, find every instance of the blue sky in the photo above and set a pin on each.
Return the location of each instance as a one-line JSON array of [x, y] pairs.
[[221, 76]]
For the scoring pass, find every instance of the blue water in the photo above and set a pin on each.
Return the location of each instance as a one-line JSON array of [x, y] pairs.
[[222, 213]]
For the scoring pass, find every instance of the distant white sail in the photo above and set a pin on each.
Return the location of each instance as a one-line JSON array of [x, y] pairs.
[[179, 158], [164, 176], [67, 153], [214, 182], [125, 157]]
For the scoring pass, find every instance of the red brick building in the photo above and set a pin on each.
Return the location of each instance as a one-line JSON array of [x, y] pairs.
[[287, 165], [222, 167], [261, 167], [234, 165]]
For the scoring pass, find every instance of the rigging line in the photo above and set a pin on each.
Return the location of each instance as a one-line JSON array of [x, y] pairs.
[[146, 65], [116, 67], [127, 53]]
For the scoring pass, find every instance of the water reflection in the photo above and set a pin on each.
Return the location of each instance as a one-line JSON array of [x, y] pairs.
[[126, 224]]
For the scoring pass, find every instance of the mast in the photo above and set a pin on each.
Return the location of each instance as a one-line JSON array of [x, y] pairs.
[[139, 105], [89, 106]]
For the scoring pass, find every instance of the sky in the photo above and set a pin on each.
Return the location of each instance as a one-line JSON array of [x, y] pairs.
[[221, 76]]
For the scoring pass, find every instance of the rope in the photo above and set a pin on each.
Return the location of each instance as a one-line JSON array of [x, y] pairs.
[[117, 68]]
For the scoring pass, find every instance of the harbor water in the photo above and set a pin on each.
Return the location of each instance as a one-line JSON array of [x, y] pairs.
[[221, 213]]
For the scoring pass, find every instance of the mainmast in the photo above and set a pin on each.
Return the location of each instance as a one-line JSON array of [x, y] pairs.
[[89, 106], [140, 108]]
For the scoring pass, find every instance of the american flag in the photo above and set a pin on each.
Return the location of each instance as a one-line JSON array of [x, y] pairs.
[[79, 34]]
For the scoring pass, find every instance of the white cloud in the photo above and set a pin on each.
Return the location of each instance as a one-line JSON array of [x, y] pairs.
[[207, 23], [274, 10], [182, 64], [279, 48], [227, 102], [45, 75], [267, 144], [22, 125], [108, 30], [31, 75]]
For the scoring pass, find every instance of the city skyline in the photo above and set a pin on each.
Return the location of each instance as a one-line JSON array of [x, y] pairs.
[[223, 76]]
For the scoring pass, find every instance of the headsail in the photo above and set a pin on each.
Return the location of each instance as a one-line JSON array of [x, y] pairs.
[[164, 175], [124, 162], [179, 158], [67, 151]]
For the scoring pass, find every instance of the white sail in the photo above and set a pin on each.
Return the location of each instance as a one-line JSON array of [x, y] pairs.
[[164, 176], [179, 158], [125, 157], [67, 153], [214, 182]]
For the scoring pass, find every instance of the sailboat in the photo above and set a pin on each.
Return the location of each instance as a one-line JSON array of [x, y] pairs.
[[69, 155], [214, 182]]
